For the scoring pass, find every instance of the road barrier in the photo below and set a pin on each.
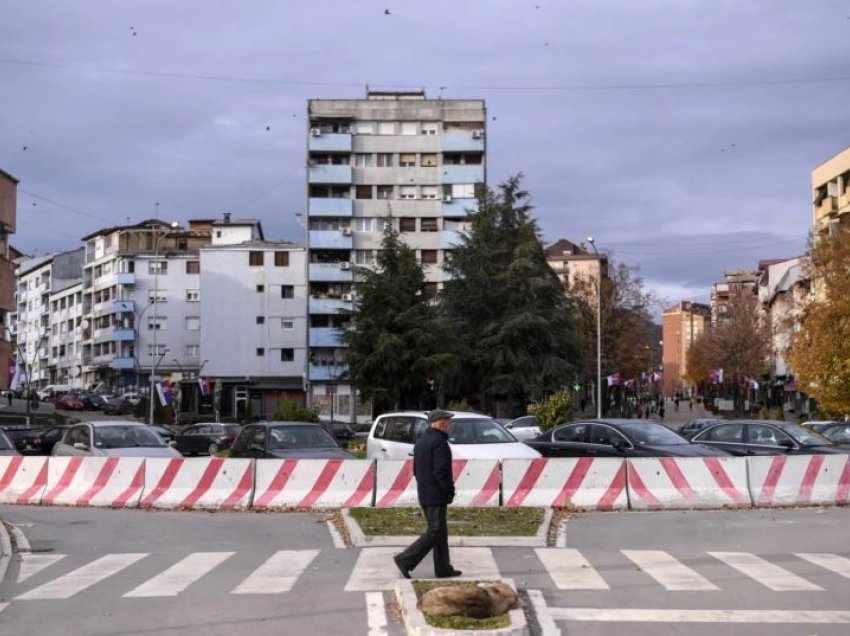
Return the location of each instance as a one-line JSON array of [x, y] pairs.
[[669, 483], [115, 482], [314, 483], [22, 479], [786, 480], [476, 483], [218, 483], [583, 483]]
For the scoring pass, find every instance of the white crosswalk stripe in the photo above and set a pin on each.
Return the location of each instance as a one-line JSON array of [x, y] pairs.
[[32, 564], [278, 574], [74, 582], [180, 575], [832, 562], [668, 571], [768, 574], [570, 570]]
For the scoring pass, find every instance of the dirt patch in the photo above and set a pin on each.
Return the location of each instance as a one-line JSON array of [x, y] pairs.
[[467, 522], [458, 622]]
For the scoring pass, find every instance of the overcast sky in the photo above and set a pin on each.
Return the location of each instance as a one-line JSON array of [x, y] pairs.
[[678, 133]]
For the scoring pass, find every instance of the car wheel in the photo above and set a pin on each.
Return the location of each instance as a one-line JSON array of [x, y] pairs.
[[213, 449]]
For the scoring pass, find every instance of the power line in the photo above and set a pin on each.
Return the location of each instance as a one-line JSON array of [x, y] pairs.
[[65, 207]]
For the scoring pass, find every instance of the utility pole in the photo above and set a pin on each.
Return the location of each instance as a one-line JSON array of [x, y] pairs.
[[598, 328], [154, 351]]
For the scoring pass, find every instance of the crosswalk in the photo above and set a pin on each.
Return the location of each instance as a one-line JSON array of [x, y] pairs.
[[57, 576]]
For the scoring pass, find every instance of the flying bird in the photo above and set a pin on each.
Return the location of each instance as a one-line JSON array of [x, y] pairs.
[[268, 127], [25, 148], [387, 12]]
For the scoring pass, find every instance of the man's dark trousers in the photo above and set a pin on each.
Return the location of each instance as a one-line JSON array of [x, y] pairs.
[[436, 538]]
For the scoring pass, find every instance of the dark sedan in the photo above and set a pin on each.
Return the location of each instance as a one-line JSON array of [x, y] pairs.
[[285, 440], [166, 434], [341, 431], [838, 433], [26, 440], [766, 437], [617, 438], [691, 428], [7, 446], [206, 439], [116, 406], [50, 437]]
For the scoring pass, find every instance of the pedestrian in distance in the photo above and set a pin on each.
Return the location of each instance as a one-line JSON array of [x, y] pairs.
[[9, 397], [432, 467], [661, 412]]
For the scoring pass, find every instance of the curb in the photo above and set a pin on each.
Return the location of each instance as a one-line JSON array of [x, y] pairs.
[[415, 624], [360, 540], [5, 551]]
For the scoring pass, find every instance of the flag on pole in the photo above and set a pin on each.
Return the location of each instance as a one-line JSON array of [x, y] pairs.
[[163, 390], [614, 380]]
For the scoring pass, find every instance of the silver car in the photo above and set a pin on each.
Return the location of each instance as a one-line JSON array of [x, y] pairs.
[[106, 438], [525, 427]]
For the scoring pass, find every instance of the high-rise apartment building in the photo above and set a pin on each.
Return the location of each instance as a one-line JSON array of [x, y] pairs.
[[573, 262], [392, 157], [8, 221], [831, 192], [736, 284], [682, 325]]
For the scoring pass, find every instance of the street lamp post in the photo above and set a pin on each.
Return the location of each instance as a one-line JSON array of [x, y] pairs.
[[28, 370], [154, 353], [598, 329]]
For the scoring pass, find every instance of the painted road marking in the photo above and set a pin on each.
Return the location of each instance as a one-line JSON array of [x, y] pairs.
[[336, 537], [180, 575], [570, 570], [589, 614], [832, 562], [278, 574], [771, 576], [81, 578], [32, 564], [376, 614], [669, 571], [544, 618]]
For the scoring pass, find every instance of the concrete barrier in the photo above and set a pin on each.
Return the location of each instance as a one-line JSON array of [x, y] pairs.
[[314, 483], [22, 479], [476, 483], [786, 480], [668, 483], [115, 482], [212, 483], [581, 483]]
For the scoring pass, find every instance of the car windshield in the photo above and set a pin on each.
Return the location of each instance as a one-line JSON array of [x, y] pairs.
[[5, 442], [126, 437], [804, 436], [307, 436], [231, 430], [648, 434], [478, 431], [522, 422]]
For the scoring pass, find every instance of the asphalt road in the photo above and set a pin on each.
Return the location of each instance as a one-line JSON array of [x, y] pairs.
[[134, 572]]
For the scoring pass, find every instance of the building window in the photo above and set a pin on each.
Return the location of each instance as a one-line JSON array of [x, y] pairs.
[[218, 234], [385, 160], [287, 355], [429, 192], [429, 128], [431, 289], [159, 350], [363, 128], [407, 224], [386, 127], [255, 258], [157, 267], [364, 257], [407, 160], [429, 160], [260, 352], [281, 259], [286, 324], [193, 267], [407, 192], [287, 291], [160, 322], [261, 320], [410, 128], [385, 192], [363, 192], [193, 351], [193, 323], [428, 225], [365, 224], [261, 289], [463, 190], [193, 295], [429, 256], [161, 296], [363, 160]]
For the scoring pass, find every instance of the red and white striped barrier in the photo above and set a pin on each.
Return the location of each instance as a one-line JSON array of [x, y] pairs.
[[476, 483], [581, 482], [219, 483], [664, 483], [786, 480], [22, 479], [314, 483], [115, 482]]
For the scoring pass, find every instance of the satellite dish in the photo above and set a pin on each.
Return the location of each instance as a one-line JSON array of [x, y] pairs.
[[85, 324], [75, 372]]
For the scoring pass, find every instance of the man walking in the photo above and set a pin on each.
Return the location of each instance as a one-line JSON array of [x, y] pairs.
[[432, 467]]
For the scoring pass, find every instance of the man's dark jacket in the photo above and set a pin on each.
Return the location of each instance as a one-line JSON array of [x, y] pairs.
[[432, 465]]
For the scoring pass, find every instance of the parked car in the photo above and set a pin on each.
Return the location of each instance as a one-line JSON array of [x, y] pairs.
[[132, 398], [89, 400], [523, 428], [206, 438], [766, 437], [692, 427], [472, 436], [341, 431], [109, 438], [116, 406], [26, 440], [617, 438], [818, 425], [168, 436], [837, 433], [49, 438], [69, 402], [361, 429], [7, 446], [287, 440], [52, 391]]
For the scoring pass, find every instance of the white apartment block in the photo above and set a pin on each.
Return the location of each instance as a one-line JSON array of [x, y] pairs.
[[66, 333], [392, 157]]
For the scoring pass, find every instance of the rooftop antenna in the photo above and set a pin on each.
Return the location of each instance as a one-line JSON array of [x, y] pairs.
[[156, 211]]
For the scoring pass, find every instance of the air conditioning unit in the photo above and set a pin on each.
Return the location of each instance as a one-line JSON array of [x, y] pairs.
[[348, 297], [315, 132], [346, 231], [447, 197], [345, 265], [477, 134]]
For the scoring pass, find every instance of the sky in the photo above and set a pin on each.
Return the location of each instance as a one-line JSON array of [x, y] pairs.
[[680, 134]]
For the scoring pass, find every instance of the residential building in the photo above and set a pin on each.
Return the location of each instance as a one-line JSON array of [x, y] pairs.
[[393, 157], [66, 332], [31, 321], [8, 222], [735, 284], [573, 262], [682, 325], [254, 317], [831, 193]]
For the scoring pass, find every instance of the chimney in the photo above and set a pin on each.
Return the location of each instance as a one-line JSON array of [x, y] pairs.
[[226, 216]]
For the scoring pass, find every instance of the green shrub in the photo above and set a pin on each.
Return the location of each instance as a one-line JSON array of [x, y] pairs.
[[780, 414], [290, 410], [556, 409], [764, 413], [458, 405]]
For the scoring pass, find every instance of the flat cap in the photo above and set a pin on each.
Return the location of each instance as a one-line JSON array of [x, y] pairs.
[[433, 416]]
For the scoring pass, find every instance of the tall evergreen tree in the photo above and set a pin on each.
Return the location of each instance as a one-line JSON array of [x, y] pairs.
[[396, 342], [517, 338]]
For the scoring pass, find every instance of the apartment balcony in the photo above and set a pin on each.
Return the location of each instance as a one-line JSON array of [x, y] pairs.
[[463, 142], [326, 372], [324, 337], [329, 305], [122, 363], [330, 142], [330, 239], [123, 335], [330, 207], [103, 359], [102, 335], [450, 239], [459, 207], [331, 272], [329, 174], [104, 308], [123, 306], [463, 174], [124, 278]]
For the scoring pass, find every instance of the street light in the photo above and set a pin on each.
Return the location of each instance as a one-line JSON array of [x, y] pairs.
[[154, 360], [598, 329], [28, 370]]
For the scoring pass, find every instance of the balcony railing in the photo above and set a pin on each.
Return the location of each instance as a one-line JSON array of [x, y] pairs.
[[328, 305], [463, 142], [330, 174], [330, 142], [463, 174], [330, 239], [319, 206], [324, 337], [331, 272]]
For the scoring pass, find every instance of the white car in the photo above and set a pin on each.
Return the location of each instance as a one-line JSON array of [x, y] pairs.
[[523, 428], [473, 436], [105, 438]]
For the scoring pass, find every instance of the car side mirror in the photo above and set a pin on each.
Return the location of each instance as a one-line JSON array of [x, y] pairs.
[[786, 443], [256, 447], [80, 446], [172, 442], [620, 445]]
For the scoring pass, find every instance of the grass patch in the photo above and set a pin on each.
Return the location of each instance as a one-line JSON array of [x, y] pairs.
[[465, 522], [458, 622]]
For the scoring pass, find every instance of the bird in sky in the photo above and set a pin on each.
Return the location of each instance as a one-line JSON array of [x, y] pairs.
[[387, 12]]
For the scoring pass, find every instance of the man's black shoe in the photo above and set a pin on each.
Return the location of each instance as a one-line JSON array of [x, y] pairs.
[[405, 572], [450, 574]]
